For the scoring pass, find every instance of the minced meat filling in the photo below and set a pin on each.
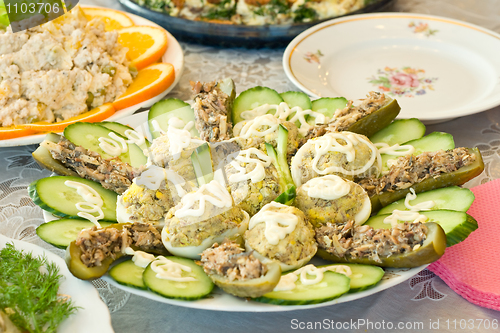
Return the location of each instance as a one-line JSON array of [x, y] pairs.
[[229, 260], [211, 109], [99, 244], [113, 174], [410, 169], [349, 239], [145, 237], [343, 118]]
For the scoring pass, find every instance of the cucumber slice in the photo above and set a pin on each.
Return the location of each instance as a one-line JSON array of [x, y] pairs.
[[332, 286], [180, 290], [166, 109], [202, 164], [400, 131], [128, 274], [449, 198], [363, 276], [297, 98], [252, 98], [121, 129], [328, 105], [88, 134], [53, 196], [432, 142], [61, 233], [456, 225]]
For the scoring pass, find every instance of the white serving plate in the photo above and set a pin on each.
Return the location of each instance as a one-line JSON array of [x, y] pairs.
[[93, 315], [220, 301], [172, 55], [437, 68]]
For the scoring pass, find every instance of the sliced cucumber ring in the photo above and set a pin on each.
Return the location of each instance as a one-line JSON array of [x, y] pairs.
[[189, 290], [456, 225], [332, 286], [252, 98], [164, 110], [61, 233], [449, 198], [400, 131], [328, 105], [87, 135], [362, 276], [52, 195], [121, 129], [129, 274]]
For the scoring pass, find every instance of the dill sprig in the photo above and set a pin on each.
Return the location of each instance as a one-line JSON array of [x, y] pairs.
[[29, 289]]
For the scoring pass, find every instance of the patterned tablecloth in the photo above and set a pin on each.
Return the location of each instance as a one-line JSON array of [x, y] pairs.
[[423, 303]]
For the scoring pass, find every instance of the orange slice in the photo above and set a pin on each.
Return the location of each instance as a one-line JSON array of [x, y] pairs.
[[150, 81], [145, 44], [14, 132], [113, 19], [95, 115]]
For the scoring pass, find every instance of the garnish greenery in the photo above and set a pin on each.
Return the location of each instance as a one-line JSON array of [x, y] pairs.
[[223, 11], [29, 291], [273, 8], [304, 14]]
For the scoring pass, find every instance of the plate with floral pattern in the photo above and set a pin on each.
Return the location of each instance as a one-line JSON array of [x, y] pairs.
[[437, 68]]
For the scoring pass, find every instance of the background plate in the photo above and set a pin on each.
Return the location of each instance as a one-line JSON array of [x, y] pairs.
[[173, 55], [437, 68], [94, 314], [230, 35]]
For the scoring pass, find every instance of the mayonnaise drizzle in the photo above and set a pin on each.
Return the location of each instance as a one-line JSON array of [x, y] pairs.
[[258, 173], [114, 145], [278, 225], [135, 137], [169, 270], [156, 126], [154, 175], [412, 214], [140, 258], [212, 192], [92, 199], [330, 143], [394, 150], [283, 111], [250, 128], [179, 136], [330, 187], [288, 281], [425, 205]]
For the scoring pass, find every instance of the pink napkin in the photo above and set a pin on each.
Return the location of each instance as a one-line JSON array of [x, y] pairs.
[[472, 267]]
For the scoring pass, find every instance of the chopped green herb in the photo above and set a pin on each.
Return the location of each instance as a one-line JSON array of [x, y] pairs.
[[273, 8], [223, 11], [29, 289], [304, 14]]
